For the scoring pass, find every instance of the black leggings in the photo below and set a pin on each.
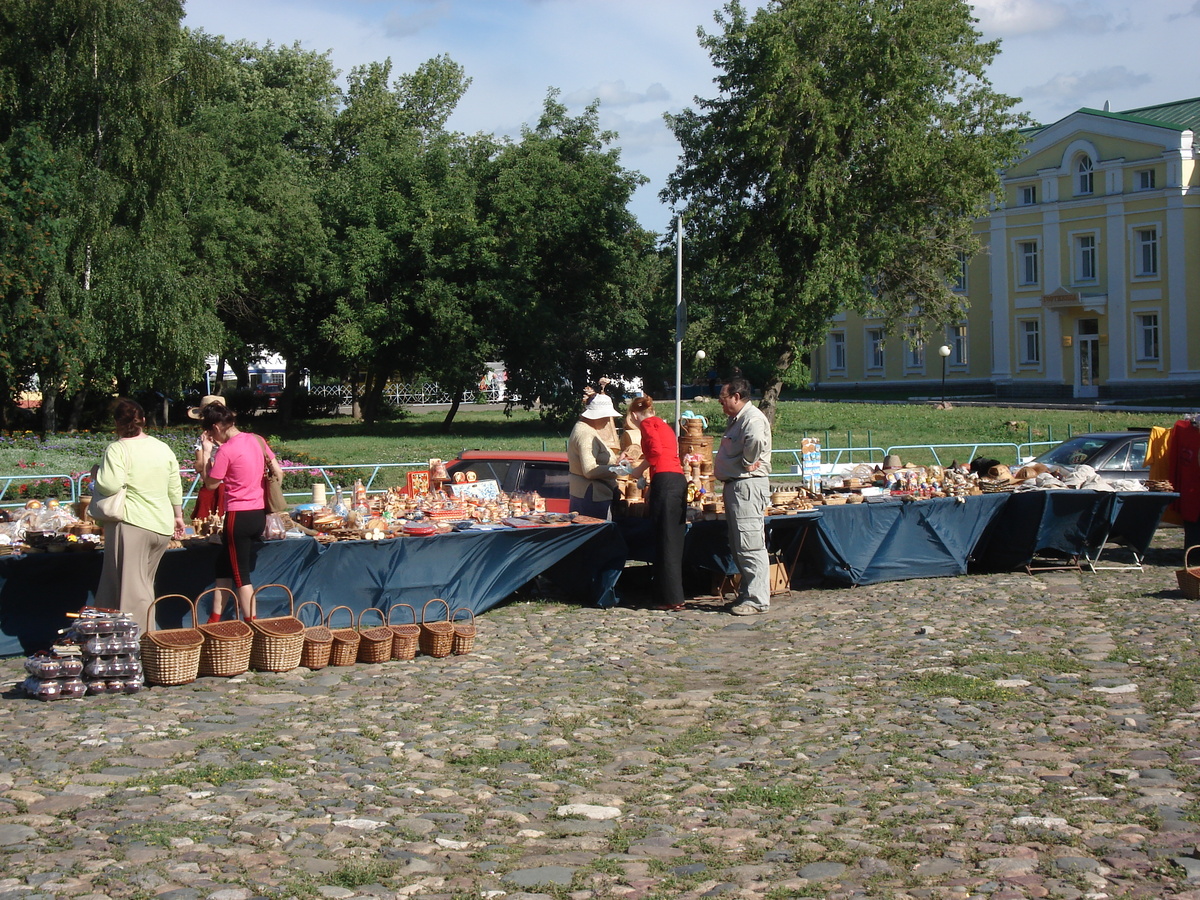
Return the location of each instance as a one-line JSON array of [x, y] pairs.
[[241, 536]]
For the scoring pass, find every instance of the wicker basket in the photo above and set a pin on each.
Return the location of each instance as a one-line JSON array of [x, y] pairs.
[[375, 643], [278, 640], [404, 635], [344, 648], [318, 640], [226, 648], [171, 655], [437, 637], [1189, 578], [464, 632]]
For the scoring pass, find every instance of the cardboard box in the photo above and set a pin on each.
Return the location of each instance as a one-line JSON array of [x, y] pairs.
[[728, 584]]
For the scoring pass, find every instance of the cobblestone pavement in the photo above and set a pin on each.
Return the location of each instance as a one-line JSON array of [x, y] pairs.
[[998, 736]]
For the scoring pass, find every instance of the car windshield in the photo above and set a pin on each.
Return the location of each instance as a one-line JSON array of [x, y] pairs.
[[1075, 452]]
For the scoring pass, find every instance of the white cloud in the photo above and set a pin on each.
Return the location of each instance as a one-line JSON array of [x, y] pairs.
[[614, 93], [1013, 18], [1077, 89], [427, 15]]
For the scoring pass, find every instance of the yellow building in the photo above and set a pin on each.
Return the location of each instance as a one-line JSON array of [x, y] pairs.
[[1087, 283]]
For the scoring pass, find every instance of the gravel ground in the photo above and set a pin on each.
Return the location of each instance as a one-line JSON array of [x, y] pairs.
[[996, 736]]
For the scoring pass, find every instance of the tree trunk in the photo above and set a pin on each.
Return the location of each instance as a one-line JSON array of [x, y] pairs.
[[455, 402], [49, 410], [356, 411], [78, 402], [774, 385]]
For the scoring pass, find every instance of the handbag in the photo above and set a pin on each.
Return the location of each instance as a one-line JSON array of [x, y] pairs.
[[272, 486], [110, 508]]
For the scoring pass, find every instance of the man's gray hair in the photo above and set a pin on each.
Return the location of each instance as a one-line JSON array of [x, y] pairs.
[[738, 385]]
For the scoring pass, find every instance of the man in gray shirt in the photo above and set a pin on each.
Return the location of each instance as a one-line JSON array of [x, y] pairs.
[[743, 465]]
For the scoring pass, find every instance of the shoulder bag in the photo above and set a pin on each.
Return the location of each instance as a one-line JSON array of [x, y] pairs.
[[272, 484], [110, 508]]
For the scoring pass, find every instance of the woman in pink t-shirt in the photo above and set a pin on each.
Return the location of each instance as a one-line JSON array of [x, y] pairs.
[[239, 468]]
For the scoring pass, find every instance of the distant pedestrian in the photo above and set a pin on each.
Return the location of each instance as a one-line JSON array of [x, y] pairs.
[[743, 466]]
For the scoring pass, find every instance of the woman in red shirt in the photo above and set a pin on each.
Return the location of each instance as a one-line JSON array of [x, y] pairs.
[[668, 500]]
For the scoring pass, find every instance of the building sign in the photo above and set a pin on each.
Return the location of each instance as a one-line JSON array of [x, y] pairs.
[[1060, 298]]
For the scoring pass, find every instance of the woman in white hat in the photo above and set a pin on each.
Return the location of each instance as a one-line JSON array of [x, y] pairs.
[[590, 459]]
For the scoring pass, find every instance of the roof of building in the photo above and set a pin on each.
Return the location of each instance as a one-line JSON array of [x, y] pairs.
[[1180, 115]]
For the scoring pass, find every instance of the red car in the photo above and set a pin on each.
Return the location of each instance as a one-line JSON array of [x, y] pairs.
[[520, 472], [267, 394]]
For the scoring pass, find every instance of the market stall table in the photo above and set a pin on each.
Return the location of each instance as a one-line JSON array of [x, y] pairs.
[[896, 540], [472, 569], [1040, 530], [706, 545]]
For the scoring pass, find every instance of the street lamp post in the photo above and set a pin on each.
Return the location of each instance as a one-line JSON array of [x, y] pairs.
[[944, 352]]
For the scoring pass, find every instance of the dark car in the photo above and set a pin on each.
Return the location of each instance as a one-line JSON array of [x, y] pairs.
[[519, 472], [267, 394], [1115, 455]]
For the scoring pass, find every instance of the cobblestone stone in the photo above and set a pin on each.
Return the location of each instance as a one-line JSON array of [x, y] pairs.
[[998, 736]]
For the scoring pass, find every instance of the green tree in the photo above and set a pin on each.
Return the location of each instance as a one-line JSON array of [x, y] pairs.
[[33, 326], [101, 79], [840, 167], [573, 290], [259, 133]]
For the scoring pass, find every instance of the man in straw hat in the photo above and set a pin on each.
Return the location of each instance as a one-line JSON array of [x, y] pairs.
[[743, 466]]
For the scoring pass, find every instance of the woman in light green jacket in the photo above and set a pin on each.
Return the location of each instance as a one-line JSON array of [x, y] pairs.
[[149, 471]]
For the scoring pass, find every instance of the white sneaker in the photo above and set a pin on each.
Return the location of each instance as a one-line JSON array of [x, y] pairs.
[[747, 609]]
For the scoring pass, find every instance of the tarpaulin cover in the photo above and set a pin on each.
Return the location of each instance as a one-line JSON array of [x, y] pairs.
[[472, 569], [1035, 523], [865, 543], [706, 546]]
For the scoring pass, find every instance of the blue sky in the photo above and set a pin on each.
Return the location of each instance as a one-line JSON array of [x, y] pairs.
[[641, 58]]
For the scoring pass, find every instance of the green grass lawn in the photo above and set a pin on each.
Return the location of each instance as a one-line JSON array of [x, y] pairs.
[[418, 436]]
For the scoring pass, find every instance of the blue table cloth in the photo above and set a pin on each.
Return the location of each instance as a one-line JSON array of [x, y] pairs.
[[476, 570], [1038, 524], [895, 540]]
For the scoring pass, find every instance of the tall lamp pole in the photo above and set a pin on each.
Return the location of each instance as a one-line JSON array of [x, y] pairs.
[[944, 352]]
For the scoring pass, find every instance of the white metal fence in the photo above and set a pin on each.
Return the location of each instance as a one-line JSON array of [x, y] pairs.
[[414, 393]]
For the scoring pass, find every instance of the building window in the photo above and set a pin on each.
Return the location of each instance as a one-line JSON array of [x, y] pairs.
[[1028, 195], [1085, 258], [1084, 171], [1145, 180], [1027, 263], [1146, 247], [916, 349], [875, 348], [957, 338], [960, 280], [837, 351], [1031, 344], [1147, 337]]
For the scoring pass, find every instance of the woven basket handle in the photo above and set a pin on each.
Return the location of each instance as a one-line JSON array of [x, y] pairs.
[[467, 610], [377, 611], [237, 612], [329, 617], [320, 612], [291, 598], [425, 608], [396, 606], [150, 610], [1187, 553]]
